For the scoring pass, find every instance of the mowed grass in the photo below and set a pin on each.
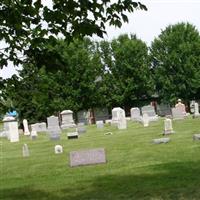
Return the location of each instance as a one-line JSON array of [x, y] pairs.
[[135, 168]]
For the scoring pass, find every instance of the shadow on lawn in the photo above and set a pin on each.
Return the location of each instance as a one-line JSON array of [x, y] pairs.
[[175, 180]]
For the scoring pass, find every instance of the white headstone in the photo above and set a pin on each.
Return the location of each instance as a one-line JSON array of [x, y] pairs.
[[161, 140], [12, 129], [81, 128], [196, 110], [116, 115], [25, 150], [100, 124], [168, 129], [26, 130], [122, 123], [53, 123], [67, 119], [58, 149], [145, 120], [135, 114], [33, 134]]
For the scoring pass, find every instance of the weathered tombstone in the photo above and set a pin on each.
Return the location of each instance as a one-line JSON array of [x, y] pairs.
[[161, 140], [101, 114], [122, 123], [196, 110], [164, 110], [53, 123], [33, 134], [151, 112], [11, 126], [145, 120], [100, 124], [196, 137], [192, 109], [53, 128], [58, 149], [181, 107], [87, 157], [177, 114], [83, 116], [67, 119], [39, 127], [25, 151], [135, 114], [115, 115], [81, 128], [168, 129], [26, 130]]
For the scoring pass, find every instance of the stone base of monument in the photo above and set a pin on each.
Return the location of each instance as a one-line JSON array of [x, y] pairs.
[[196, 137], [72, 135], [66, 126], [161, 140], [167, 132], [196, 115]]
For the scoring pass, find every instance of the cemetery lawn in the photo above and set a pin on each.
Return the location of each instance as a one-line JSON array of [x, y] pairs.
[[135, 168]]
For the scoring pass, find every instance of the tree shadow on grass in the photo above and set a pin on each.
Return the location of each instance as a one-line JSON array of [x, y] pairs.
[[176, 180]]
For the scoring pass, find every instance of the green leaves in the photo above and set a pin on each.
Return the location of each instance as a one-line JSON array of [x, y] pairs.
[[24, 23], [176, 62]]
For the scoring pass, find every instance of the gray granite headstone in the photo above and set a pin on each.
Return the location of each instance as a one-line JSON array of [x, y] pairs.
[[196, 137], [100, 124], [150, 111], [81, 128], [87, 157]]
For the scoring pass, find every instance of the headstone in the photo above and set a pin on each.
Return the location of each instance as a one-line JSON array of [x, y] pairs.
[[58, 149], [26, 130], [164, 110], [11, 127], [81, 128], [33, 135], [196, 110], [53, 128], [39, 127], [161, 140], [151, 112], [192, 109], [115, 115], [181, 107], [83, 116], [135, 114], [25, 150], [101, 114], [87, 157], [168, 129], [122, 123], [100, 124], [196, 137], [177, 114], [67, 119], [145, 120], [53, 123]]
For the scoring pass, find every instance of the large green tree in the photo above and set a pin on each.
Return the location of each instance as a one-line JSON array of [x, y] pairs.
[[27, 25], [175, 57], [38, 93], [128, 77]]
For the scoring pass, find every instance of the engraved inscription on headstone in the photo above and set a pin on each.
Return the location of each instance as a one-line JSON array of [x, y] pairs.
[[87, 157]]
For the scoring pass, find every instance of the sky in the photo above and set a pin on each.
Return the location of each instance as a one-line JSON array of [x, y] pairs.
[[148, 24]]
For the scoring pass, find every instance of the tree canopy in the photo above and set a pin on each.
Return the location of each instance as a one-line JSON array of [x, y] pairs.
[[176, 62], [27, 25]]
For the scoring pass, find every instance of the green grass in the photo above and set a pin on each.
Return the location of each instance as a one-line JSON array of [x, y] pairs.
[[135, 168]]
